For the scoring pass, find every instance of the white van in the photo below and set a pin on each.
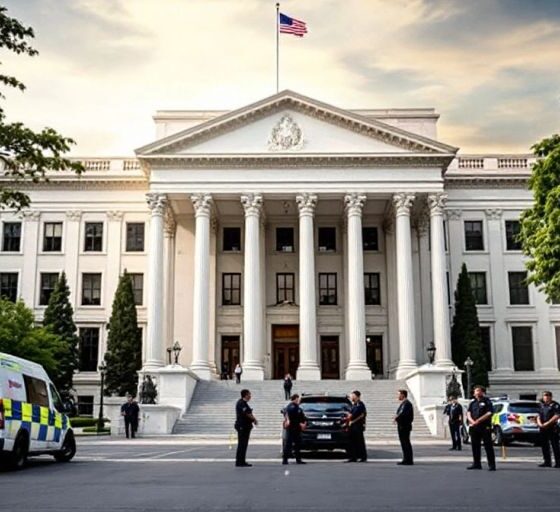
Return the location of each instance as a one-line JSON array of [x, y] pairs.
[[33, 419]]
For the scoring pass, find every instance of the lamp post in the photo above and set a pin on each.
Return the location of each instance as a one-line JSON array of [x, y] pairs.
[[169, 351], [102, 368], [468, 365], [176, 351], [431, 350]]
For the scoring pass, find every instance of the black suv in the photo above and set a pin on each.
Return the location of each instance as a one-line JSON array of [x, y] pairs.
[[326, 416]]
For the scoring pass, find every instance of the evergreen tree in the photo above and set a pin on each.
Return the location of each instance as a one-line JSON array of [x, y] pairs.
[[59, 320], [124, 343], [466, 339]]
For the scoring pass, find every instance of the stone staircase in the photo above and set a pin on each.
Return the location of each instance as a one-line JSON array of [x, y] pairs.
[[212, 409]]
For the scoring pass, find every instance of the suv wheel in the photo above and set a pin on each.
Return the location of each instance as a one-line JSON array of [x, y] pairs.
[[18, 458], [68, 450]]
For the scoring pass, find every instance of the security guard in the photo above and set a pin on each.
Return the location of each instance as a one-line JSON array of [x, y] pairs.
[[404, 419], [243, 424], [479, 416], [356, 425], [294, 422], [547, 421], [454, 410]]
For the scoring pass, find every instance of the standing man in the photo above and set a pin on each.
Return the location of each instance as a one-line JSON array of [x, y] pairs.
[[294, 422], [243, 424], [357, 425], [479, 416], [404, 419], [131, 413], [547, 420], [454, 410]]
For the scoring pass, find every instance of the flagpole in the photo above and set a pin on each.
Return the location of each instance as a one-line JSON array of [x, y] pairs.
[[277, 48]]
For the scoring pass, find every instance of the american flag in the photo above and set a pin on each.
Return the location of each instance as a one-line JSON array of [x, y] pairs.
[[292, 26]]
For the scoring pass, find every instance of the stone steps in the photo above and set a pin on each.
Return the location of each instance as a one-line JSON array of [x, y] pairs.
[[212, 409]]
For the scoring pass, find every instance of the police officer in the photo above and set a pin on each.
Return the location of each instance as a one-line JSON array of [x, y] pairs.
[[356, 426], [479, 416], [547, 421], [404, 419], [294, 423], [243, 424], [454, 410]]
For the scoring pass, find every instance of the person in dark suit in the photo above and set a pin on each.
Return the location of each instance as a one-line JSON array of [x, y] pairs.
[[356, 426], [131, 413], [547, 420], [404, 419], [294, 423], [243, 424], [288, 386], [454, 411], [479, 416]]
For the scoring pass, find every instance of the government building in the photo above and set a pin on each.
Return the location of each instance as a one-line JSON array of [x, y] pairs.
[[291, 236]]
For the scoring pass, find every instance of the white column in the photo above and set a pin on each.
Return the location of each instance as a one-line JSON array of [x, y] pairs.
[[169, 280], [440, 308], [113, 249], [253, 332], [201, 296], [72, 252], [308, 350], [357, 368], [154, 338], [405, 293], [30, 275]]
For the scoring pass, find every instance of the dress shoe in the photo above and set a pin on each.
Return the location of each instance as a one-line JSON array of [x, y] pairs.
[[362, 460], [350, 460], [492, 468], [557, 466], [404, 463], [285, 462], [545, 465], [300, 462], [244, 465], [474, 467]]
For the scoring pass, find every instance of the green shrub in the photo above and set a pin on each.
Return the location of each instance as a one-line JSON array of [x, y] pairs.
[[84, 421], [93, 430]]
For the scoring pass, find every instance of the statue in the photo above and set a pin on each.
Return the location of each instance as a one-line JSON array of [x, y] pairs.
[[148, 391], [453, 386]]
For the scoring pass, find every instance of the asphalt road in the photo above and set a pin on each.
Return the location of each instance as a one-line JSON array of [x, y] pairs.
[[180, 475]]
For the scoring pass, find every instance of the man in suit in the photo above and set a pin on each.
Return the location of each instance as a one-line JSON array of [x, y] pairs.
[[404, 419], [356, 426], [243, 424], [454, 410]]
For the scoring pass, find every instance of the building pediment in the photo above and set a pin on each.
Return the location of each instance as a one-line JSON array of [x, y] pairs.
[[287, 126]]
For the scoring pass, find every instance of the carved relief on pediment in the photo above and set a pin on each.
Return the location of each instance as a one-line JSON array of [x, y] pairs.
[[286, 135]]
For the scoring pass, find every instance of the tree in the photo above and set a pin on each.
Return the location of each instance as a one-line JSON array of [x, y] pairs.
[[20, 337], [124, 343], [540, 224], [59, 320], [26, 155], [466, 340]]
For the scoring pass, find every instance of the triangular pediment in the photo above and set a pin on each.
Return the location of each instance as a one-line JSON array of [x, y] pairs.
[[289, 124]]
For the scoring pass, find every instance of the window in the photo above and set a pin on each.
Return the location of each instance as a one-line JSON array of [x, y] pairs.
[[89, 349], [478, 285], [370, 239], [285, 289], [448, 289], [522, 337], [9, 285], [91, 289], [327, 239], [231, 289], [232, 239], [52, 237], [56, 400], [373, 293], [11, 236], [513, 228], [138, 288], [36, 391], [474, 240], [518, 290], [285, 239], [445, 235], [93, 241], [485, 336], [85, 405], [48, 282], [134, 237], [327, 289]]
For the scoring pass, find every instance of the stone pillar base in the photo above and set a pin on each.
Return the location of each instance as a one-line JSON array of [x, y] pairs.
[[202, 371], [252, 373], [308, 373], [358, 372], [404, 368]]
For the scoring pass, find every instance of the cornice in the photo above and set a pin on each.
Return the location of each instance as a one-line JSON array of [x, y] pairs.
[[487, 182], [101, 184]]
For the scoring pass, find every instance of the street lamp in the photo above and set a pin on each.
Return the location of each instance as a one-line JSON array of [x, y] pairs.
[[176, 351], [431, 350], [169, 351], [469, 363], [102, 368]]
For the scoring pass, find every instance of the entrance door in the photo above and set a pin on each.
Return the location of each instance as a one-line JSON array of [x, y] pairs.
[[374, 345], [230, 353], [285, 348], [330, 364]]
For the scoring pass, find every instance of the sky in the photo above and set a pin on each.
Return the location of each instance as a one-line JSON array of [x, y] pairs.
[[491, 68]]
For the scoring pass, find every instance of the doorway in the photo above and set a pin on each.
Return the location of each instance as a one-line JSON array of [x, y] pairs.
[[285, 349], [374, 347], [330, 362], [230, 354]]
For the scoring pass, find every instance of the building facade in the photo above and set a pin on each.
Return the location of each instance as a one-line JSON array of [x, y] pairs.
[[291, 236]]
